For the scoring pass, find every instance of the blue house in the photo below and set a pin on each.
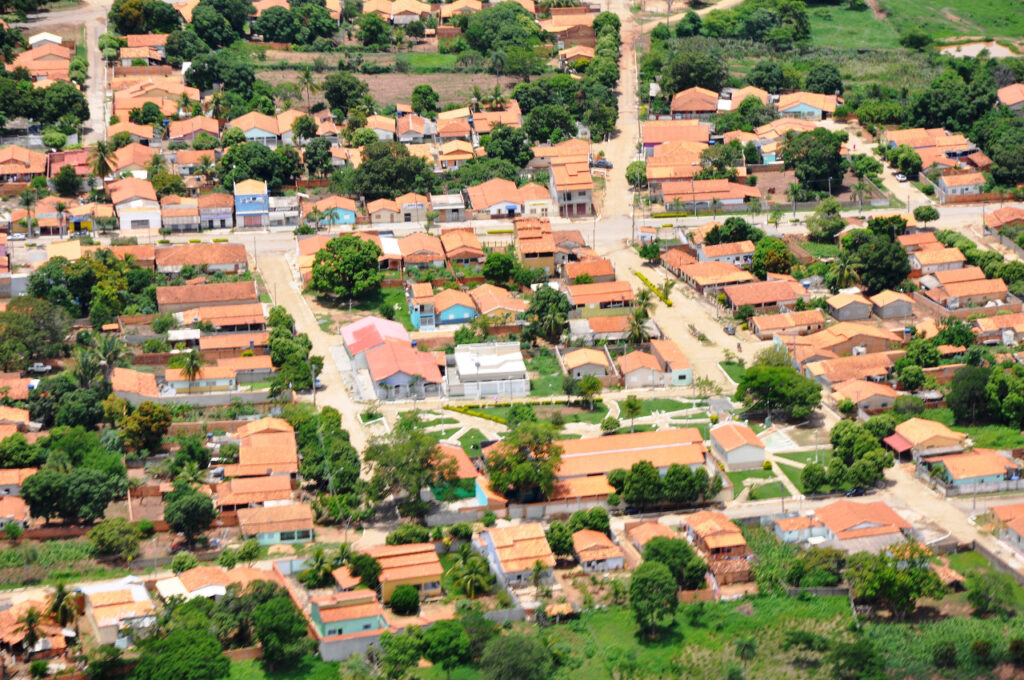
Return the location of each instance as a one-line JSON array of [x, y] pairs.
[[335, 211], [447, 307], [979, 467], [345, 613], [292, 523], [252, 204]]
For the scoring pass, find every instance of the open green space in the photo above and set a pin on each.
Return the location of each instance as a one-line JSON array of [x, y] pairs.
[[820, 250], [663, 404], [446, 433], [806, 457], [734, 370], [983, 436], [307, 668], [545, 363], [471, 442], [392, 297], [546, 386], [968, 562], [767, 491], [954, 18], [738, 478], [595, 417], [844, 28]]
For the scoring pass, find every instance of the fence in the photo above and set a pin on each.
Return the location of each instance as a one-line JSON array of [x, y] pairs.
[[1012, 306], [154, 70], [1017, 250], [976, 198]]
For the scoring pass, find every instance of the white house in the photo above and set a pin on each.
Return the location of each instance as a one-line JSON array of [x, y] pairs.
[[135, 204], [489, 369], [737, 445], [596, 552], [40, 39], [514, 550]]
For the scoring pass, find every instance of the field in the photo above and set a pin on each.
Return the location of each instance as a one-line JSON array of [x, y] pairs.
[[844, 28], [954, 18], [307, 668], [983, 436]]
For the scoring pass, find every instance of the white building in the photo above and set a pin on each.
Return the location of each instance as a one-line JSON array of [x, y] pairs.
[[489, 369], [737, 446]]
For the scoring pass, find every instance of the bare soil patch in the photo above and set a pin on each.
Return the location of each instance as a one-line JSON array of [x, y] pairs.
[[973, 49]]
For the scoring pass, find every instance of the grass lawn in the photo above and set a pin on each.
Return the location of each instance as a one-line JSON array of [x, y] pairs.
[[546, 386], [949, 18], [794, 475], [983, 436], [761, 493], [471, 442], [638, 428], [820, 250], [663, 404], [737, 478], [440, 421], [807, 457], [430, 62], [544, 362], [447, 433], [392, 297], [307, 668], [850, 29], [968, 562], [734, 370]]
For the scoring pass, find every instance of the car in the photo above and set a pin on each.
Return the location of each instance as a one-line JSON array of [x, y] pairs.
[[319, 385], [730, 330], [855, 491], [16, 237], [601, 163], [39, 367], [900, 177]]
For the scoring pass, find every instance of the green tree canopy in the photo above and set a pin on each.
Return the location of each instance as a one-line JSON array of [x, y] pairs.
[[347, 267]]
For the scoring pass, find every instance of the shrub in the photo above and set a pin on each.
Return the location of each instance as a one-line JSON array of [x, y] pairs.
[[1016, 649], [489, 519], [654, 289], [767, 465], [405, 601], [183, 561], [610, 424], [13, 531], [614, 500], [846, 407], [944, 654], [145, 527], [408, 533], [461, 531], [39, 668], [981, 650]]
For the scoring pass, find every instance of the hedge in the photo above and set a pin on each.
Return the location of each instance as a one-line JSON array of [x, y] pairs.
[[467, 411], [654, 289]]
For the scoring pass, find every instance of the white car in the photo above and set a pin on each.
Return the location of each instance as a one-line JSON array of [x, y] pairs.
[[901, 177], [16, 237], [39, 367]]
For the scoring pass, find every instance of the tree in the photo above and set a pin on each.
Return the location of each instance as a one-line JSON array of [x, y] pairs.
[[768, 74], [66, 182], [212, 28], [277, 24], [191, 366], [281, 631], [926, 214], [814, 157], [523, 465], [183, 654], [29, 625], [764, 387], [188, 512], [304, 127], [374, 32], [685, 565], [746, 649], [100, 159], [824, 78], [915, 38], [559, 539], [636, 174], [44, 493], [906, 160], [967, 397], [347, 267], [894, 579], [549, 123], [695, 68], [643, 486], [145, 428], [116, 536], [548, 314], [771, 255], [631, 407], [405, 600], [510, 144], [446, 644], [650, 250], [856, 660], [401, 651], [344, 91], [474, 577], [387, 171], [991, 592], [881, 262], [424, 100], [826, 222], [813, 477], [589, 387], [517, 656], [652, 595], [406, 460], [62, 605]]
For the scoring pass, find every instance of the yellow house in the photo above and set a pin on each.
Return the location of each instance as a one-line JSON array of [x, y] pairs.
[[415, 564]]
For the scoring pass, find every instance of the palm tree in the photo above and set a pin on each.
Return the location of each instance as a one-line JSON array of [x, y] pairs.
[[28, 198], [205, 168], [110, 352], [191, 474], [156, 165], [644, 303], [101, 157], [318, 570], [551, 324], [307, 81], [478, 96], [497, 98], [183, 102], [416, 381], [87, 367], [62, 606], [473, 578], [631, 407], [192, 366], [666, 287], [537, 573], [860, 190], [715, 205], [845, 271], [315, 216], [62, 209], [29, 624], [746, 649], [637, 333], [498, 60]]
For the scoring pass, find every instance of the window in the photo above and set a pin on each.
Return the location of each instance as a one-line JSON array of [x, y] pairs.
[[140, 224], [287, 535], [305, 533]]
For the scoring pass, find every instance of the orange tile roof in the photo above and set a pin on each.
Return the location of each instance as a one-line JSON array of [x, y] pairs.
[[534, 246], [716, 273], [419, 248], [726, 249], [461, 243], [643, 532], [520, 547], [254, 490], [265, 520], [395, 356], [255, 363], [464, 468], [840, 369], [974, 287], [1003, 216], [848, 519], [489, 298], [15, 388], [417, 561], [572, 177], [596, 293], [198, 254], [14, 507], [938, 256], [795, 523], [859, 390], [594, 268], [764, 293], [919, 431], [715, 529], [205, 373], [1006, 513], [965, 179], [842, 300], [133, 155], [570, 148], [978, 463], [738, 96], [823, 102], [731, 436], [233, 340], [134, 382], [16, 476], [492, 192], [708, 189], [130, 188], [596, 486], [887, 297], [662, 131], [359, 604], [254, 120], [677, 258], [263, 425], [1011, 95], [637, 360], [695, 99], [344, 578], [207, 293], [449, 297], [671, 354], [584, 457], [17, 160], [593, 546], [584, 356], [779, 322]]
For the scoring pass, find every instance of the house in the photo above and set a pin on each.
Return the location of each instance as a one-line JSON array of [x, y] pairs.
[[257, 127], [981, 466], [711, 277], [640, 533], [216, 211], [414, 564], [964, 184], [142, 134], [461, 246], [673, 362], [43, 38], [586, 361], [209, 379], [866, 395], [936, 260], [639, 369], [975, 293], [45, 63], [50, 642], [706, 193], [674, 259], [283, 211], [843, 338], [211, 582], [11, 480], [399, 370], [454, 129], [926, 438], [572, 187], [367, 333], [495, 198], [739, 253], [595, 552], [349, 613], [808, 105], [588, 298], [13, 509], [997, 219], [411, 129], [798, 529], [187, 130], [1007, 329], [695, 102], [412, 207], [247, 492], [738, 96], [450, 306], [766, 326], [856, 527], [190, 162], [489, 369], [449, 207], [1012, 97], [597, 456], [266, 447], [117, 612], [514, 550], [134, 386], [874, 366], [180, 298], [291, 523], [148, 55], [849, 307], [333, 211], [498, 305], [764, 294], [135, 204], [538, 253], [922, 240], [657, 132], [716, 536], [383, 211], [892, 305], [570, 26], [598, 270], [249, 369], [738, 446], [252, 206]]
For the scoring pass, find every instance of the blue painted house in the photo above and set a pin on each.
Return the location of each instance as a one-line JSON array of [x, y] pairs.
[[446, 308], [292, 523], [335, 211], [982, 466], [345, 613], [252, 203], [808, 105]]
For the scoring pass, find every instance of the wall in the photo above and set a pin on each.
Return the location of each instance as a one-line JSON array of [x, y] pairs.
[[933, 309], [217, 399]]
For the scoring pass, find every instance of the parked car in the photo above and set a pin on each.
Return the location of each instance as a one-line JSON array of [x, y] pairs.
[[900, 177], [855, 491], [39, 367], [730, 330], [16, 237], [601, 163]]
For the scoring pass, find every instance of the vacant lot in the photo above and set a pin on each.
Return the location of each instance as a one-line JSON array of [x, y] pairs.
[[949, 18]]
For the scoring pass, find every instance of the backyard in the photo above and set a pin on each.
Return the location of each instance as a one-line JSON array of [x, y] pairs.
[[983, 436]]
